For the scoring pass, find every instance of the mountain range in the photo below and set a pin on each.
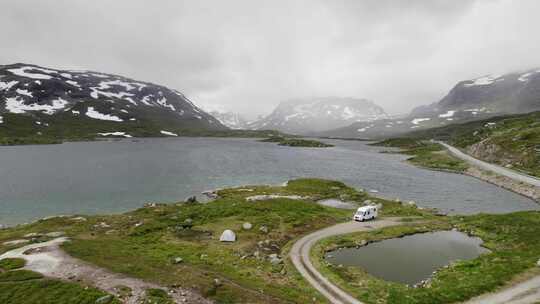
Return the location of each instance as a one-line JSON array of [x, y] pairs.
[[307, 115], [468, 100]]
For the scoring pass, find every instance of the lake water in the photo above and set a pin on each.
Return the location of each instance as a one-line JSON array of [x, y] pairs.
[[412, 258], [115, 176]]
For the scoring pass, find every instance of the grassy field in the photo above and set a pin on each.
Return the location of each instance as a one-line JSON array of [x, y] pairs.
[[514, 241], [426, 154], [20, 129], [146, 243]]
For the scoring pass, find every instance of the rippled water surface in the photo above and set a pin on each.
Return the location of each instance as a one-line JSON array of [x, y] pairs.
[[102, 177]]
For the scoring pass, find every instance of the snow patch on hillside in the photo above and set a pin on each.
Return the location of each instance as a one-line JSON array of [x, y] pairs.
[[96, 115], [447, 114], [168, 133], [115, 134], [16, 105], [5, 86], [419, 120], [484, 80], [22, 71]]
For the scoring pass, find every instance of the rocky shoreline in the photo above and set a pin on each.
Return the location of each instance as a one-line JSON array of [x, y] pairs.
[[524, 189]]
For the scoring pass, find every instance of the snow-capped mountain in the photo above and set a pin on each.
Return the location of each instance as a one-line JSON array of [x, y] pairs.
[[509, 93], [230, 119], [469, 100], [40, 100], [303, 116]]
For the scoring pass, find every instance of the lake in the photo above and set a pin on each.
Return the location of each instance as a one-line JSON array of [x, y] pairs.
[[412, 258], [114, 176]]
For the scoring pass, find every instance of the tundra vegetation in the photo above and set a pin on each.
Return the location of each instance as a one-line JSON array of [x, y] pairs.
[[178, 245], [297, 142], [426, 154], [511, 141]]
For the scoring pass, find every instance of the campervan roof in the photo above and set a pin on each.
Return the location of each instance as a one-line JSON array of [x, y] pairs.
[[365, 208]]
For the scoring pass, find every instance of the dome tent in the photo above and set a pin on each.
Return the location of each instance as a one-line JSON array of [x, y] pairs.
[[227, 236]]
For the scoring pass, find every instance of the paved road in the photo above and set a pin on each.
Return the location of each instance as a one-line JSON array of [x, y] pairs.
[[300, 257], [491, 167]]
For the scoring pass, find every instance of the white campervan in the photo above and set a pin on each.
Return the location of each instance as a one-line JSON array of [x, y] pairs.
[[365, 213]]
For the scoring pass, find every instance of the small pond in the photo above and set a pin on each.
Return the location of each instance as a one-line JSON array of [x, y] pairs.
[[409, 259]]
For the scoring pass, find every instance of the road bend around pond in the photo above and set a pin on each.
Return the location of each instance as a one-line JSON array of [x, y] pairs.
[[300, 257], [526, 292]]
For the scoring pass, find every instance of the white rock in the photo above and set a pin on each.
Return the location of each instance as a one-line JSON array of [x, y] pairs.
[[227, 236], [538, 263], [247, 226], [55, 234]]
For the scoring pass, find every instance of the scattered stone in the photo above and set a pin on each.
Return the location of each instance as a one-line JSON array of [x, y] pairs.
[[79, 219], [217, 282], [109, 232], [203, 256], [367, 202], [538, 263], [211, 194], [256, 254], [55, 234], [335, 188], [227, 236], [178, 260], [15, 242], [247, 226], [102, 225], [32, 234], [274, 196], [104, 300], [263, 229], [411, 203], [138, 224], [188, 221], [274, 259]]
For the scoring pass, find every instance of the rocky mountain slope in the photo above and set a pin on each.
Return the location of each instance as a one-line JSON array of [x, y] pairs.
[[511, 141], [50, 103], [469, 100], [304, 116]]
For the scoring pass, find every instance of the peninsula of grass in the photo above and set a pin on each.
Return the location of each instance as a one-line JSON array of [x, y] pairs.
[[146, 243], [297, 142], [426, 154]]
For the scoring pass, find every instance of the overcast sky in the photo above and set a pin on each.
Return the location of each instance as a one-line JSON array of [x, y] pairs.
[[248, 55]]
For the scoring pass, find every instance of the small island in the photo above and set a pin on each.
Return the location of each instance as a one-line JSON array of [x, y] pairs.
[[297, 142]]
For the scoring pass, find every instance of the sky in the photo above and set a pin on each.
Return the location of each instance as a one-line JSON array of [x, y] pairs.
[[248, 55]]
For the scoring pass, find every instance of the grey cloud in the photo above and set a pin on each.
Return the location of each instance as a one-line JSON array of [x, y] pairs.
[[247, 55]]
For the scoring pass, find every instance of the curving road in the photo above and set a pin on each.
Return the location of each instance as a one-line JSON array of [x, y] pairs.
[[300, 257], [531, 180]]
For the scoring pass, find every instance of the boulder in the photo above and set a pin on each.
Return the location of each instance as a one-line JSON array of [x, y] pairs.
[[274, 259], [227, 236], [191, 199], [263, 229], [55, 234], [538, 263], [178, 260], [247, 226]]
